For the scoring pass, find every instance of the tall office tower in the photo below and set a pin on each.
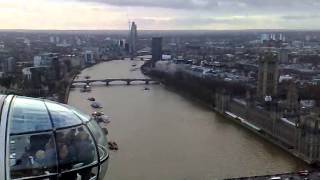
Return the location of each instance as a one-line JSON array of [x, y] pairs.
[[308, 38], [133, 40], [122, 43], [89, 57], [282, 37], [8, 65], [264, 37], [52, 39], [268, 75], [284, 55], [156, 49]]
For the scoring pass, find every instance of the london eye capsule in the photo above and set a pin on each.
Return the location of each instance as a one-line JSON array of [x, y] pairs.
[[42, 139]]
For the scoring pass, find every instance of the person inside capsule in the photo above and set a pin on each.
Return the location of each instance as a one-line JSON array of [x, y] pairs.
[[47, 140]]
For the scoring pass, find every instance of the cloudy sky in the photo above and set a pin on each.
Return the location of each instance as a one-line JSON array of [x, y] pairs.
[[160, 14]]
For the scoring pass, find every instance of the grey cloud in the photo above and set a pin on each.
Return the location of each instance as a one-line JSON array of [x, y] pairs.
[[173, 4], [193, 21], [205, 21], [289, 5], [301, 17]]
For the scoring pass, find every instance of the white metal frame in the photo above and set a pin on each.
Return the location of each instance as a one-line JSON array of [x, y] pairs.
[[4, 173]]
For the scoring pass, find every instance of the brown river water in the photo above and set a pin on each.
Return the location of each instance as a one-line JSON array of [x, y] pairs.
[[163, 135]]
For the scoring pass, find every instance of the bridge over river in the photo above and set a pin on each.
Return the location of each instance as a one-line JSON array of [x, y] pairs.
[[128, 81]]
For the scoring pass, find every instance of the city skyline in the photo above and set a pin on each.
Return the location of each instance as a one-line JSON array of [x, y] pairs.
[[159, 15]]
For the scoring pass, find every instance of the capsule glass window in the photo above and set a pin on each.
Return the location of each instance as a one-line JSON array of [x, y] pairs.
[[100, 139], [62, 116], [32, 155], [77, 152], [29, 115]]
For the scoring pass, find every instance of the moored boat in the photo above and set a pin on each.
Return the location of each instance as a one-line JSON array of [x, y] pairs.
[[96, 105]]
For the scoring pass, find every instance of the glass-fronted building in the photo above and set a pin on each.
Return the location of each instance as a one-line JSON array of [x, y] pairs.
[[42, 139]]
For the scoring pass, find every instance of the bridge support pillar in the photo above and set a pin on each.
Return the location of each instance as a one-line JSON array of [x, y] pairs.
[[107, 83], [128, 82], [147, 82]]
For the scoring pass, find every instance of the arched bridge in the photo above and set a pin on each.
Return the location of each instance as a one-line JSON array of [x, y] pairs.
[[108, 81]]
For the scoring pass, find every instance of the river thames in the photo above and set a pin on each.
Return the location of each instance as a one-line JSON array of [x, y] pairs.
[[163, 135]]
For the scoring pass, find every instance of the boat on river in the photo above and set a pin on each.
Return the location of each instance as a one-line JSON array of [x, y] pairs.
[[91, 99], [102, 120], [97, 113], [86, 88], [96, 105], [113, 145]]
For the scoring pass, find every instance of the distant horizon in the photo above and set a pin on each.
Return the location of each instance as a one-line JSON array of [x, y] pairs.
[[206, 30]]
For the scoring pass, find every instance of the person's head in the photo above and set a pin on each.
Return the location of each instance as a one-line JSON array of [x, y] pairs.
[[69, 137], [72, 132], [83, 136], [80, 129], [60, 139], [63, 152], [40, 155]]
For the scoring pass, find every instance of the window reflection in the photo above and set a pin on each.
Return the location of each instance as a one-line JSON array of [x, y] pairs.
[[100, 138], [102, 145], [62, 116], [29, 115], [94, 174], [103, 168], [76, 150], [32, 155], [83, 116]]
